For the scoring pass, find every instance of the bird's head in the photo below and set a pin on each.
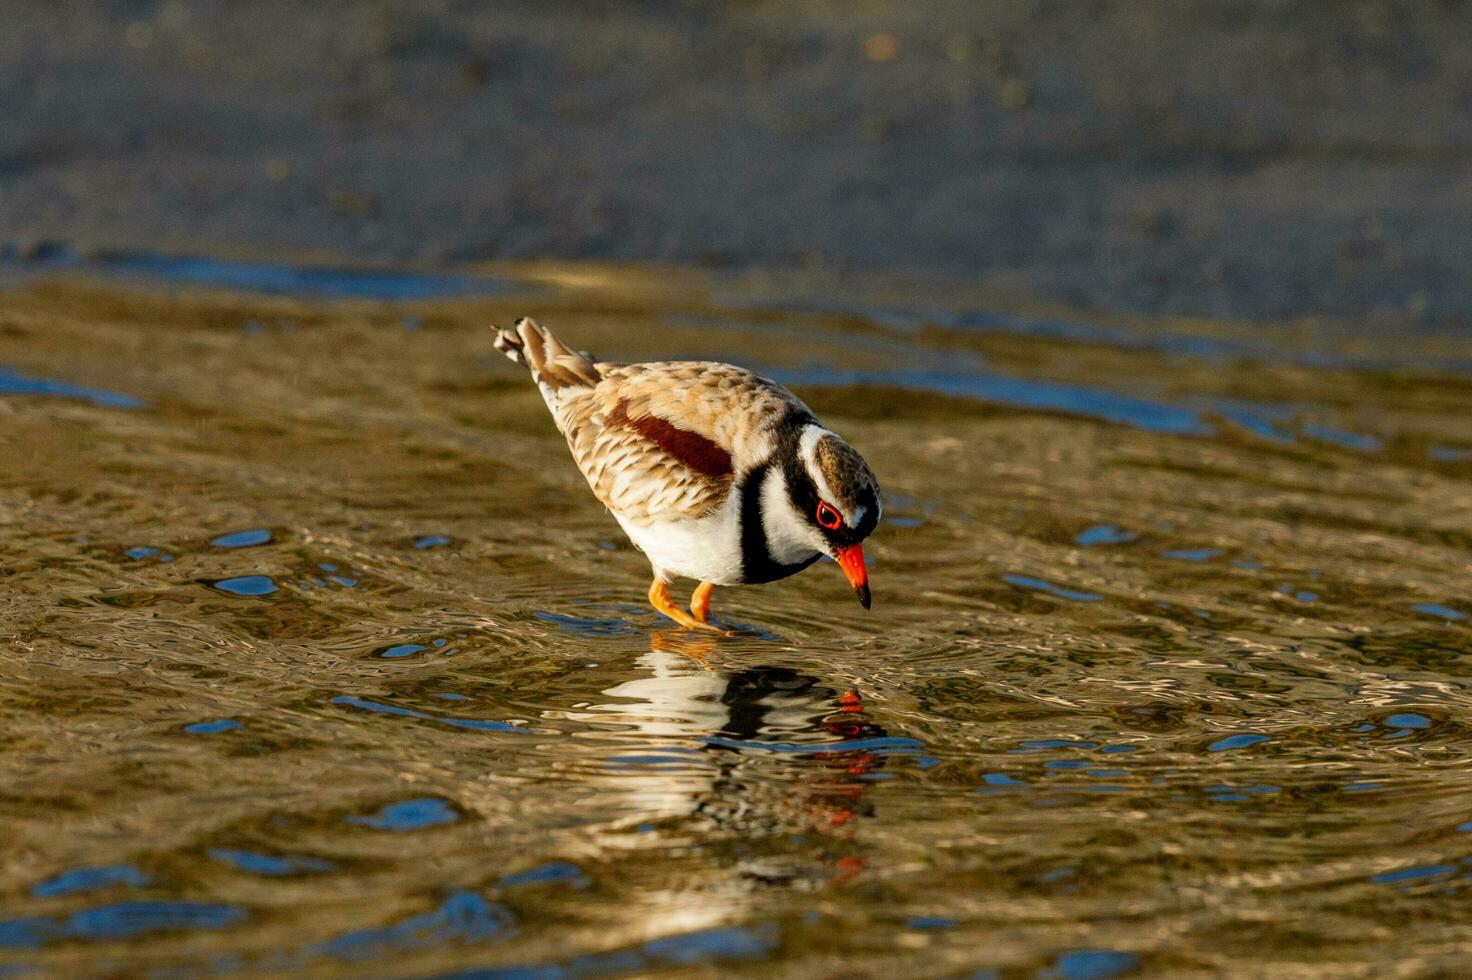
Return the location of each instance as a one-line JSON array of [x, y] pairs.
[[832, 500]]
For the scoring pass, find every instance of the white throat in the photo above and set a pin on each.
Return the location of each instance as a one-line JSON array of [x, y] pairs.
[[790, 538]]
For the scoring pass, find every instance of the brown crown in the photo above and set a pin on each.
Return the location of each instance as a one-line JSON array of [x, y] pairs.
[[845, 471]]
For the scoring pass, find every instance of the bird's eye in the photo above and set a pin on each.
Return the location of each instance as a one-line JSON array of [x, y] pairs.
[[828, 517]]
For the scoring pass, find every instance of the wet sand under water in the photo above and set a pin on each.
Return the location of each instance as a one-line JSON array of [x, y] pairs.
[[319, 657]]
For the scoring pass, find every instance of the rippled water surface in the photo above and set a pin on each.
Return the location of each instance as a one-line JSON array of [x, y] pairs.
[[320, 658]]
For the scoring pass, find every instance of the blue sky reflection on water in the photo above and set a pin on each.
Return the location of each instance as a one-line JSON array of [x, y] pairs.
[[469, 741], [14, 383]]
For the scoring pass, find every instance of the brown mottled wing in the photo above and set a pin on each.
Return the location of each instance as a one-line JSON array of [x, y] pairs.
[[661, 441]]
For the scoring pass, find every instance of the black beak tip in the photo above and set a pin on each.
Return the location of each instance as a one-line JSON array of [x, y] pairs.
[[862, 591]]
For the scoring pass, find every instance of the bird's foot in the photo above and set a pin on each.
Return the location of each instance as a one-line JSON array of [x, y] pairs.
[[659, 598]]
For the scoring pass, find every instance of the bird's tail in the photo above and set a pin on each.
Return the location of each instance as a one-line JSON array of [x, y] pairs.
[[550, 363]]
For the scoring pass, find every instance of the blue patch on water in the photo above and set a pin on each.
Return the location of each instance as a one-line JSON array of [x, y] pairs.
[[118, 921], [1017, 392], [1302, 595], [879, 746], [687, 950], [1340, 437], [270, 865], [930, 922], [692, 947], [212, 727], [982, 321], [432, 541], [289, 280], [1236, 742], [463, 917], [475, 724], [1408, 720], [12, 383], [675, 759], [430, 811], [1412, 874], [400, 650], [1263, 421], [242, 539], [1039, 585], [1167, 342], [1000, 779], [578, 626], [1450, 454], [1191, 417], [1044, 329], [1191, 554], [1465, 828], [1238, 793], [250, 586], [89, 879], [557, 872], [1092, 964], [1440, 611], [1066, 764], [1100, 534], [1056, 743]]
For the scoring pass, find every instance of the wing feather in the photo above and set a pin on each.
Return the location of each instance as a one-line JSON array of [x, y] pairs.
[[665, 441]]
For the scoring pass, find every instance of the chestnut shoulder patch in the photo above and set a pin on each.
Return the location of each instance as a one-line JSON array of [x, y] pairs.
[[691, 448]]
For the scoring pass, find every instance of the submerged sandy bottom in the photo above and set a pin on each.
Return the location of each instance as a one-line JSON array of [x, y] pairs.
[[318, 655]]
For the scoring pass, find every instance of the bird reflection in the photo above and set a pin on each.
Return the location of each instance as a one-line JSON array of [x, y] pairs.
[[779, 711], [705, 751]]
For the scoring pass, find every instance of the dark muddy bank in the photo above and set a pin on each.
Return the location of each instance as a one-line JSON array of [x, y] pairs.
[[1232, 159]]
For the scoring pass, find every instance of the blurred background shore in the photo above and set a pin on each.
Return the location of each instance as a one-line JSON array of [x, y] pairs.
[[1263, 160]]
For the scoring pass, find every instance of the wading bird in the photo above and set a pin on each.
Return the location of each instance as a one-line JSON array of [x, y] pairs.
[[714, 473]]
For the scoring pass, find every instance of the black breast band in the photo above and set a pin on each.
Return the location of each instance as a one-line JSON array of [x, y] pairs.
[[757, 565]]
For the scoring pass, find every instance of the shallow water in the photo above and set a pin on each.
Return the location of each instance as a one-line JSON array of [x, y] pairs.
[[321, 659]]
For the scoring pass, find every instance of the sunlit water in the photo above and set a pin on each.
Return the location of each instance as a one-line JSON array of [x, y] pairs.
[[320, 658]]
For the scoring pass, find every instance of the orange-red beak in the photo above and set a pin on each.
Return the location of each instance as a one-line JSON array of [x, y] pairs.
[[851, 560]]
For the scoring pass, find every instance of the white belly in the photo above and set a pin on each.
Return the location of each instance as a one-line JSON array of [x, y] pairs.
[[707, 549]]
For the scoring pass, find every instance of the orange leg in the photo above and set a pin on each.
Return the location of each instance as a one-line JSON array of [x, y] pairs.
[[700, 602], [659, 598]]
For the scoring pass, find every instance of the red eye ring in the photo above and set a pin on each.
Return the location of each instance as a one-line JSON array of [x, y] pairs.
[[828, 517]]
